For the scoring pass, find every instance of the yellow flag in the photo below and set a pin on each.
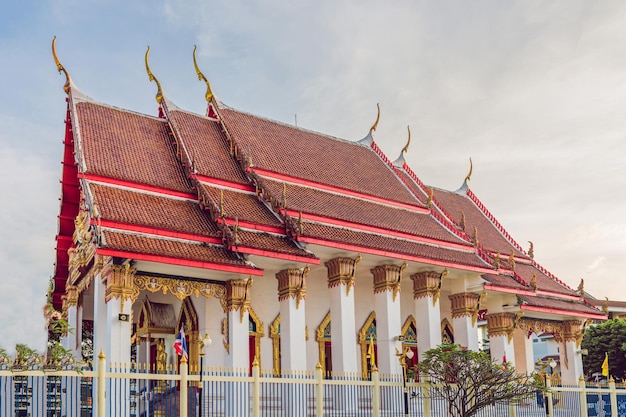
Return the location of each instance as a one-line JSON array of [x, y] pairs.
[[605, 365]]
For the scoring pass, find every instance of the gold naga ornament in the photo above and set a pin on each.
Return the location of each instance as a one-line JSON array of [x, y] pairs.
[[60, 67], [151, 77]]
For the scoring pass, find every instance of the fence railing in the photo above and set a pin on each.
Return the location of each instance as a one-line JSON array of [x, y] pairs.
[[136, 392]]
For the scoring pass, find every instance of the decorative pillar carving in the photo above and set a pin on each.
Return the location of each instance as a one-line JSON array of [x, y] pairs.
[[464, 315], [342, 270], [426, 291], [428, 284], [501, 324], [238, 296], [572, 336], [387, 278], [341, 274], [291, 293], [292, 284], [119, 283]]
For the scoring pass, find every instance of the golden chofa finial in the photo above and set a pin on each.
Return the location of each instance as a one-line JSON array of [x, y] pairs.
[[60, 67], [469, 174], [209, 92], [151, 77], [375, 125], [408, 142]]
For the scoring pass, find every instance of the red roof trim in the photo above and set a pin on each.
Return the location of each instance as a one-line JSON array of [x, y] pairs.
[[559, 295], [374, 229], [372, 251], [157, 231], [180, 262], [137, 186], [254, 226], [343, 191], [508, 290], [564, 312], [222, 183], [277, 255]]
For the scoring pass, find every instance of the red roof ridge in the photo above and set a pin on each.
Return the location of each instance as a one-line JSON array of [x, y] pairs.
[[286, 179], [137, 188], [201, 242], [290, 126], [469, 194]]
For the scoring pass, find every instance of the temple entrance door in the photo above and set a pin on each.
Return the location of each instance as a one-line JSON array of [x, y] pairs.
[[252, 347], [328, 358]]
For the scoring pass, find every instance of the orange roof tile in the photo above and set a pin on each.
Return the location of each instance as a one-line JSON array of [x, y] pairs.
[[207, 146], [303, 154], [149, 210], [128, 146], [243, 206], [321, 203]]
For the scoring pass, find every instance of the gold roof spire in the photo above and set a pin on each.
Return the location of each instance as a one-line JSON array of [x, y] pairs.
[[408, 142], [209, 93], [151, 77], [60, 67], [375, 125], [469, 174]]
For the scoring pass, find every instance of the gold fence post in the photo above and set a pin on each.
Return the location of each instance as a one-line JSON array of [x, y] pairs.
[[549, 397], [319, 388], [375, 392], [256, 388], [613, 396], [101, 383], [184, 386], [583, 397], [425, 396]]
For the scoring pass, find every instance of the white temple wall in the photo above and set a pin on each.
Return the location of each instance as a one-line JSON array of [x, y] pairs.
[[317, 306]]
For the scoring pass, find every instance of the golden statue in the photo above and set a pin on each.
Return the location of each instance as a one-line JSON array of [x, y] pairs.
[[161, 357]]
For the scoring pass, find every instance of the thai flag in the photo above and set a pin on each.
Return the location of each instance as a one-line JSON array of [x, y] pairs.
[[180, 345]]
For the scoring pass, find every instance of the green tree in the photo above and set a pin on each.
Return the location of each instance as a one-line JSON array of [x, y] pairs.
[[470, 381], [608, 337]]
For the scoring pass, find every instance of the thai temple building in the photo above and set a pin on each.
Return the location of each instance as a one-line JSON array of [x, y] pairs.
[[284, 245]]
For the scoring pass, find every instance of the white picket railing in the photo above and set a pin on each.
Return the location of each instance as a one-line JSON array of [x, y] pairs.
[[130, 391]]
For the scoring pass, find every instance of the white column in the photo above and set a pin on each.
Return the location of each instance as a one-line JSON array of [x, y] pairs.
[[426, 290], [291, 296], [524, 358], [571, 359], [464, 315], [501, 328], [388, 317], [237, 303], [341, 273]]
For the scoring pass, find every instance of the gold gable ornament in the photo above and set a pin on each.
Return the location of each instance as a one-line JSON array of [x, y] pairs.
[[60, 67]]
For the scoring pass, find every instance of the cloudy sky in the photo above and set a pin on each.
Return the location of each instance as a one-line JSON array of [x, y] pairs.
[[534, 92]]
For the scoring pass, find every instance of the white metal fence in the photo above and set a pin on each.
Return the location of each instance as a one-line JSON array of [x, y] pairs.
[[135, 392]]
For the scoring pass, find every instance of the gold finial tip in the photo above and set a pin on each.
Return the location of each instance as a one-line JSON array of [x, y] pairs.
[[151, 77], [60, 67], [375, 125], [408, 142], [469, 174], [209, 92]]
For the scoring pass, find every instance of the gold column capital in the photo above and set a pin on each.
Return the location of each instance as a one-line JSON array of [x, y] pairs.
[[292, 284], [464, 304], [388, 278], [502, 324], [428, 284], [342, 270], [238, 296], [119, 283]]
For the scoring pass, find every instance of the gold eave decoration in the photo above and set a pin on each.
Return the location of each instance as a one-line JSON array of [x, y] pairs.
[[60, 67], [408, 142], [151, 77], [375, 125], [209, 93]]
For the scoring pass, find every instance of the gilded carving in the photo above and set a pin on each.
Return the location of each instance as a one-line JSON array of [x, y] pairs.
[[323, 335], [512, 260], [502, 324], [292, 284], [465, 305], [225, 339], [533, 282], [274, 331], [581, 288], [181, 288], [367, 338], [119, 283], [238, 296], [388, 278], [428, 284], [84, 249], [538, 326], [342, 270], [572, 331]]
